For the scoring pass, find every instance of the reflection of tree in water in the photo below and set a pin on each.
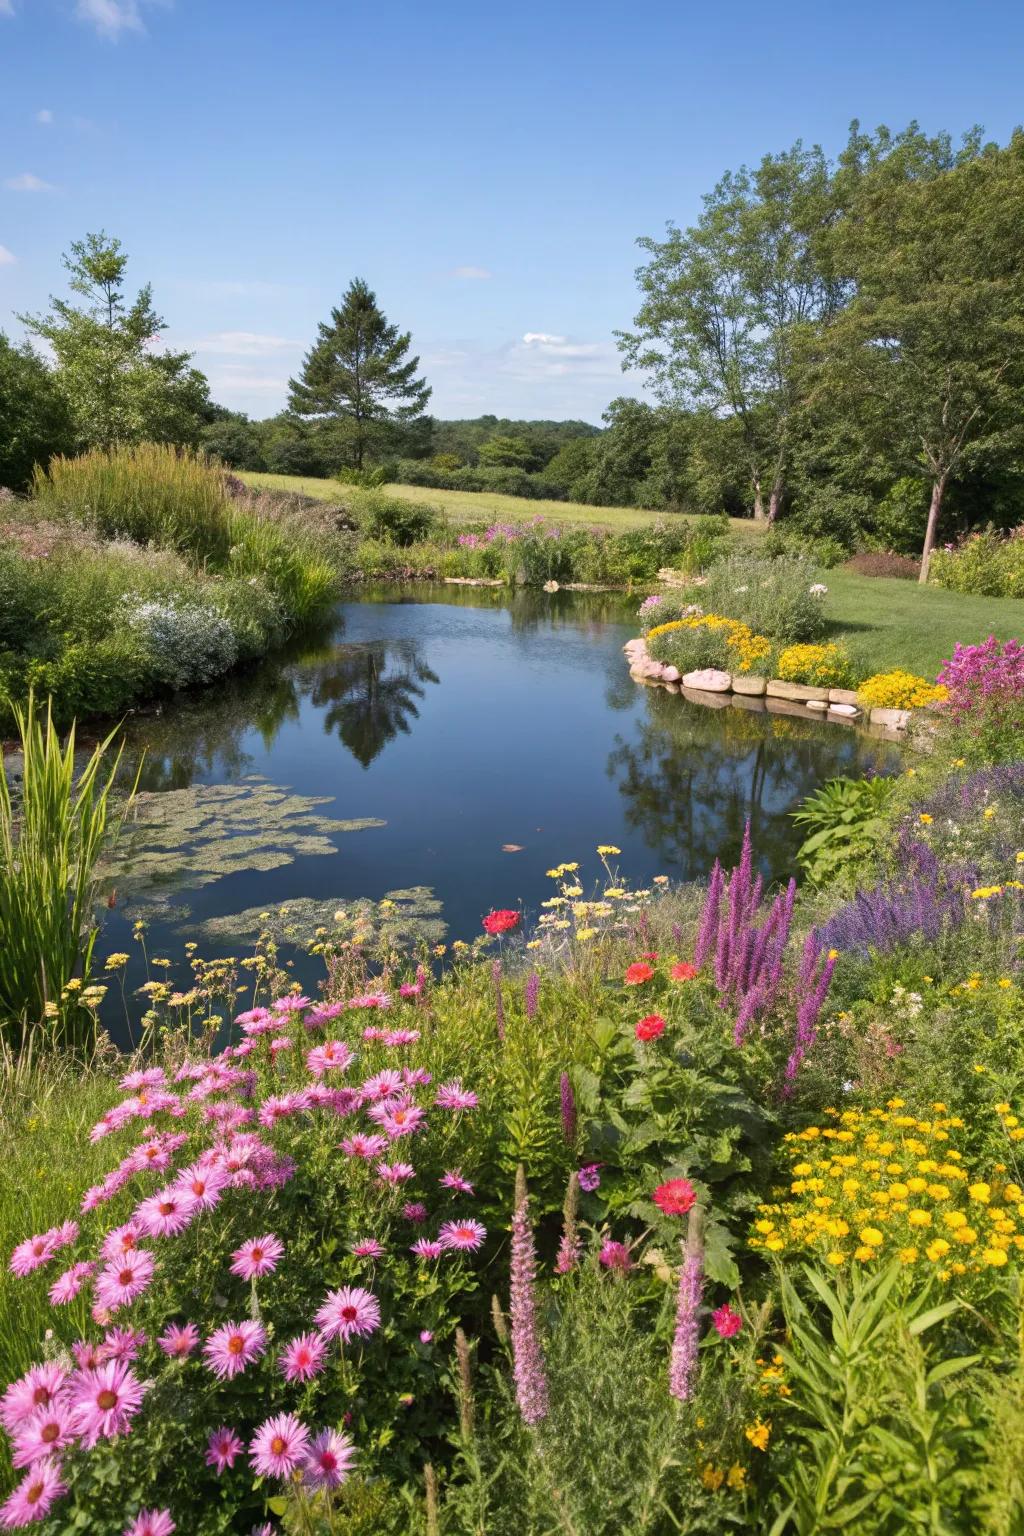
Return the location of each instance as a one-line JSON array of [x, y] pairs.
[[694, 775], [370, 695]]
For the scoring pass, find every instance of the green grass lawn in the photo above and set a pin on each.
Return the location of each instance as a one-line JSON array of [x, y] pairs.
[[901, 624], [482, 506]]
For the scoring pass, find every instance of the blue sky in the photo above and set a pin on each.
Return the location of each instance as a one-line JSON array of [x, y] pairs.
[[487, 169]]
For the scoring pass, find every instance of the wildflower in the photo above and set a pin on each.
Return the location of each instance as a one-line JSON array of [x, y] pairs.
[[368, 1248], [675, 1197], [347, 1313], [48, 1431], [222, 1448], [363, 1146], [683, 1359], [67, 1286], [684, 971], [328, 1460], [527, 1356], [426, 1248], [32, 1253], [35, 1495], [614, 1255], [759, 1434], [166, 1214], [504, 920], [151, 1522], [590, 1177], [124, 1279], [402, 1120], [568, 1107], [104, 1400], [638, 973], [335, 1055], [258, 1257], [415, 1211], [279, 1446], [454, 1181], [452, 1095], [232, 1347], [178, 1342], [302, 1358], [726, 1322], [394, 1173], [608, 850], [464, 1235], [650, 1027]]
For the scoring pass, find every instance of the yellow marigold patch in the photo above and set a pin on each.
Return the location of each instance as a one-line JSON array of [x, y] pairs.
[[899, 690]]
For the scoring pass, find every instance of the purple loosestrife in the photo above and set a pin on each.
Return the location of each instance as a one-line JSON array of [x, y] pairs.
[[568, 1110], [683, 1361], [814, 984], [569, 1248], [527, 1356], [748, 955], [531, 993]]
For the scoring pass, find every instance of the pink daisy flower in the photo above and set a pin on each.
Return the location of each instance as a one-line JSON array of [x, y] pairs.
[[395, 1173], [453, 1180], [104, 1400], [38, 1388], [349, 1312], [403, 1120], [335, 1056], [67, 1286], [121, 1240], [464, 1235], [370, 1000], [279, 1446], [290, 1004], [124, 1279], [32, 1253], [416, 1077], [258, 1257], [204, 1182], [328, 1460], [368, 1248], [178, 1341], [453, 1096], [231, 1348], [48, 1431], [149, 1077], [151, 1522], [385, 1085], [302, 1358], [122, 1343], [401, 1036], [414, 1211], [167, 1213], [34, 1496], [426, 1248], [222, 1448], [88, 1354]]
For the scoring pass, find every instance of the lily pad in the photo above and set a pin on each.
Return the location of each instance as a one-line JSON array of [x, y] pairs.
[[405, 917]]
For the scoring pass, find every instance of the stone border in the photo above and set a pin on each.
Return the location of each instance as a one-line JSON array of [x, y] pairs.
[[717, 690]]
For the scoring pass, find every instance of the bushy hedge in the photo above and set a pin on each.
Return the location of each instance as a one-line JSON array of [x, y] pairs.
[[502, 480], [781, 598], [988, 564]]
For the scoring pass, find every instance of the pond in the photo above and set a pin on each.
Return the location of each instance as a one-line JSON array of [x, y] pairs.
[[450, 744]]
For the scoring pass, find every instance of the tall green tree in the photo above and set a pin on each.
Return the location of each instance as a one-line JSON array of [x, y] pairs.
[[725, 304], [358, 375], [35, 422], [118, 388], [930, 348]]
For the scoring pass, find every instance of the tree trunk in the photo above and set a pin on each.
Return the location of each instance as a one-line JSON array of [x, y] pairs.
[[774, 502], [758, 502], [938, 487]]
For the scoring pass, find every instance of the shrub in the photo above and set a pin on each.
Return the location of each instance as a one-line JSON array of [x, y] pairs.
[[393, 520], [846, 825], [988, 564], [899, 690], [901, 567], [185, 643], [820, 549], [303, 579], [983, 686], [779, 598], [819, 666], [724, 642], [87, 677]]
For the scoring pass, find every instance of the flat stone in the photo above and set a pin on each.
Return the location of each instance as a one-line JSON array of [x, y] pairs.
[[844, 710], [702, 696], [638, 643], [793, 707], [708, 680], [895, 719], [820, 704], [777, 689], [671, 674], [753, 686], [750, 702], [842, 696]]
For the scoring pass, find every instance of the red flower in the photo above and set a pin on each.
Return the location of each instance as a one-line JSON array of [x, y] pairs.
[[684, 971], [651, 1027], [651, 954], [727, 1322], [675, 1197], [502, 921], [637, 973]]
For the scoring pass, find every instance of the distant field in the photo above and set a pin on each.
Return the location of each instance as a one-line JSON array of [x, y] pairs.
[[478, 506]]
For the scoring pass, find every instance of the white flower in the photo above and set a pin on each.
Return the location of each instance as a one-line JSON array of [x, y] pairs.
[[819, 589], [747, 589]]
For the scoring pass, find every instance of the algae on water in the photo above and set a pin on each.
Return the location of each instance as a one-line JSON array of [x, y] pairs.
[[403, 917]]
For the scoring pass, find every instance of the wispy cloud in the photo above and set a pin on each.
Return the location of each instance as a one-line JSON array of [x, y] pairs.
[[44, 115], [7, 258], [472, 274], [6, 8], [112, 17], [27, 182], [243, 344], [542, 373]]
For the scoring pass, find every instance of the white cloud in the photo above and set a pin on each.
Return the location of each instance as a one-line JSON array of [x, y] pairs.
[[27, 182], [560, 346], [243, 344], [7, 258], [473, 274], [6, 8], [44, 115], [112, 17]]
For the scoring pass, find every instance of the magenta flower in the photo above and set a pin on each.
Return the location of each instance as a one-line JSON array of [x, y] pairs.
[[167, 1213], [452, 1095], [368, 1248], [426, 1248], [414, 1211], [465, 1235], [151, 1522], [32, 1253], [683, 1360], [279, 1446], [234, 1346], [290, 1004], [34, 1496], [122, 1344], [329, 1460], [384, 1085], [590, 1177], [363, 1146], [335, 1056], [726, 1322], [258, 1257], [178, 1342], [615, 1255], [395, 1173], [121, 1240], [222, 1448], [347, 1313], [124, 1279], [40, 1386], [205, 1182], [403, 1120], [453, 1180], [302, 1358], [67, 1286], [48, 1431], [105, 1399]]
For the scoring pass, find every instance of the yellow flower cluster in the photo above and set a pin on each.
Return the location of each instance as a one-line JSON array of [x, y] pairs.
[[985, 892], [822, 666], [899, 690], [713, 1478], [740, 638], [884, 1183]]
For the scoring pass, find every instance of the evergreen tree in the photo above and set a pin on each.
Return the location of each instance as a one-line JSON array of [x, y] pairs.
[[357, 375]]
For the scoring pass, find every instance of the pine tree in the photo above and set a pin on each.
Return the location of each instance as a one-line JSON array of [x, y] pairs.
[[357, 375]]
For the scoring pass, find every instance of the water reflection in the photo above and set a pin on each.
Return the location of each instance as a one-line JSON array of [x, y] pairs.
[[368, 695]]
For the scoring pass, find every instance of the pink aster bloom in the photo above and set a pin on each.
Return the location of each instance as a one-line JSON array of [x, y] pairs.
[[178, 1341], [334, 1056], [328, 1460], [385, 1085], [151, 1522], [48, 1431], [363, 1146], [453, 1180], [347, 1313], [121, 1240], [67, 1286], [290, 1004], [124, 1279], [615, 1255], [416, 1077], [414, 1211], [149, 1077], [222, 1448], [279, 1446], [205, 1182], [465, 1235], [232, 1347], [453, 1096], [426, 1248], [302, 1358], [368, 1248], [370, 1000], [105, 1400], [34, 1496], [403, 1120], [167, 1213], [122, 1343], [258, 1257], [88, 1354], [395, 1173], [32, 1253], [401, 1036]]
